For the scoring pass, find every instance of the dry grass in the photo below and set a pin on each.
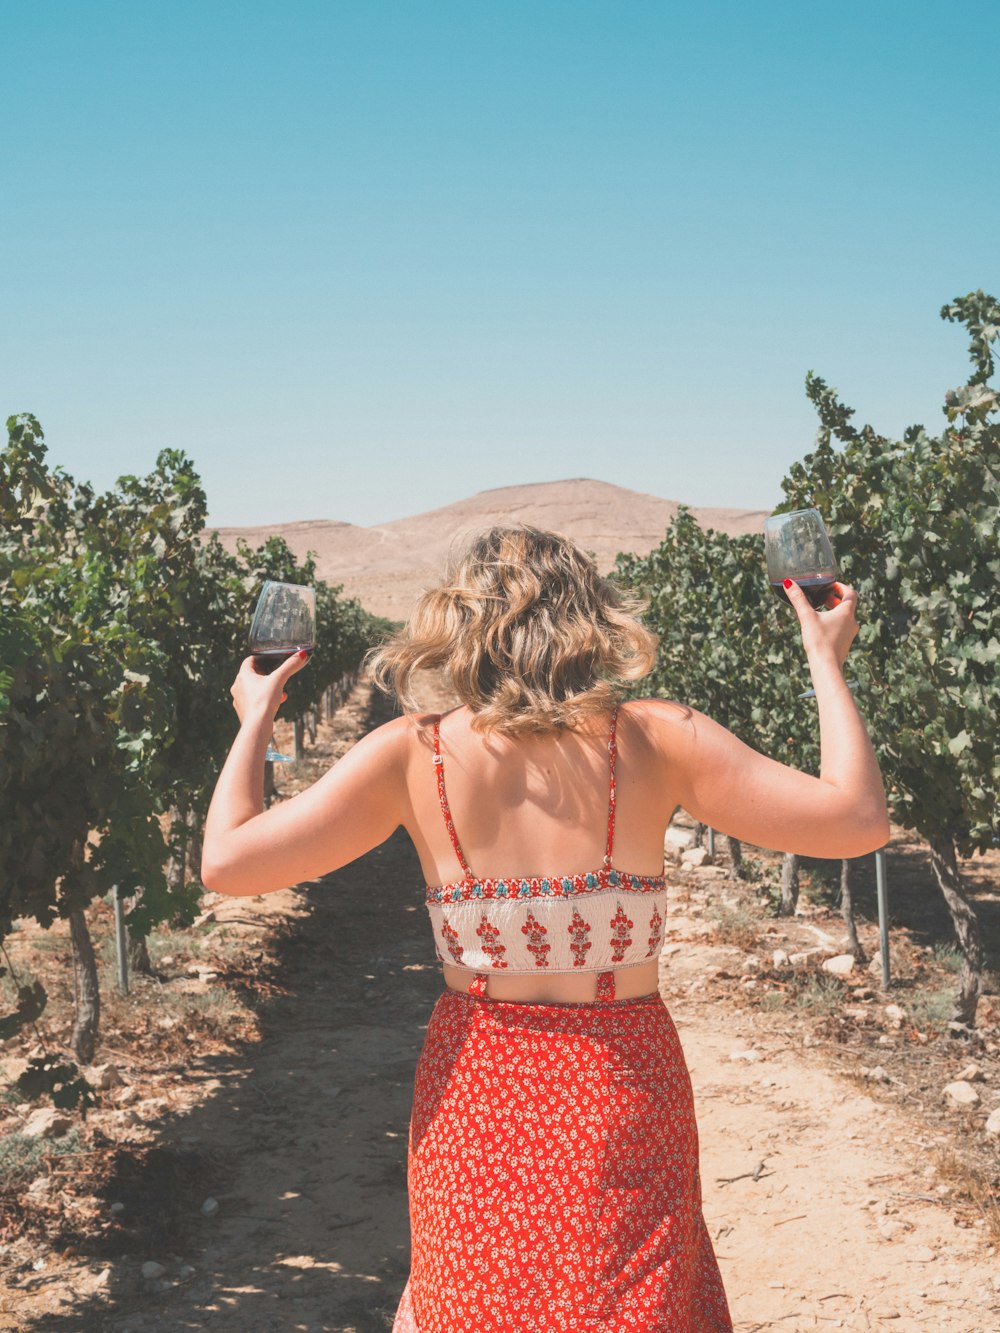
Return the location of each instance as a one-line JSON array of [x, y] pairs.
[[968, 1182], [736, 925], [821, 993]]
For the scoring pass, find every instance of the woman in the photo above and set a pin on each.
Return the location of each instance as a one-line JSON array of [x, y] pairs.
[[553, 1152]]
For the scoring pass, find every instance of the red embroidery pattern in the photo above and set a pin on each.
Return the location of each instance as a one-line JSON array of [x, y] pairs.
[[453, 942], [490, 937], [621, 940], [579, 930], [553, 1173], [536, 933], [544, 886], [655, 940]]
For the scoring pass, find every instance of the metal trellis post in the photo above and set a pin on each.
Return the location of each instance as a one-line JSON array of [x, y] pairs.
[[883, 915], [121, 944]]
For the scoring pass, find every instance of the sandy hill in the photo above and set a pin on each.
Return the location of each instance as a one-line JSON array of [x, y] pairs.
[[387, 566]]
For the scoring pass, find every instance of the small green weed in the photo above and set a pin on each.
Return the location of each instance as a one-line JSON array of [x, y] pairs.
[[49, 942], [21, 1154], [217, 1003], [931, 1008], [821, 994], [948, 955], [735, 925]]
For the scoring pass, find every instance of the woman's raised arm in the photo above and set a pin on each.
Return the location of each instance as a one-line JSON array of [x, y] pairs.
[[353, 807], [731, 787]]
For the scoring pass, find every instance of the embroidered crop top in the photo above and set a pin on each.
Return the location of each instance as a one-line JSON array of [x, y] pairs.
[[592, 922]]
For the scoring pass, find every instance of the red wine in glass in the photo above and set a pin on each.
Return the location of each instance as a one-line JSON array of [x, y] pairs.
[[284, 623], [269, 661], [816, 589]]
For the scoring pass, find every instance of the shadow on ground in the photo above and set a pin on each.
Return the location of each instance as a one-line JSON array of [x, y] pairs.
[[302, 1141]]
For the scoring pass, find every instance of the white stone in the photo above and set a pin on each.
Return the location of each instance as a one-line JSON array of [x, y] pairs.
[[971, 1074], [889, 1227], [681, 838], [46, 1123], [748, 1056], [961, 1093], [993, 1123], [210, 1207], [40, 1185], [894, 1014], [103, 1076], [921, 1254], [151, 1269], [841, 965], [697, 856], [779, 957]]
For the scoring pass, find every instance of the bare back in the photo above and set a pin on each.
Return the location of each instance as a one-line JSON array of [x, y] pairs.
[[524, 806]]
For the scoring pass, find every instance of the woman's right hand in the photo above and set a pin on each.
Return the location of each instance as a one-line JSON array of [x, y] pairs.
[[832, 632]]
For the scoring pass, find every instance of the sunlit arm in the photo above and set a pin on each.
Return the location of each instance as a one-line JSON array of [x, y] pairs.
[[356, 805], [735, 789]]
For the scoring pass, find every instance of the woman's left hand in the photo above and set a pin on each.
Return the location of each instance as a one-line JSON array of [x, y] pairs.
[[257, 695]]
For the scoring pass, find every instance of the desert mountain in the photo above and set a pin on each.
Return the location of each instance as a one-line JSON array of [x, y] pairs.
[[387, 566]]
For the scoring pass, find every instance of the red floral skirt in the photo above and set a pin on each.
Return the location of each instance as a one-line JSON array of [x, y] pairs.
[[553, 1174]]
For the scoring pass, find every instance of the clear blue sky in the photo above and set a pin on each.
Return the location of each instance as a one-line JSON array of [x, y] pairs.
[[361, 259]]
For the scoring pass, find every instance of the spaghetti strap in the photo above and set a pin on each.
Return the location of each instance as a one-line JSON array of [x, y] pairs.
[[613, 754], [443, 798]]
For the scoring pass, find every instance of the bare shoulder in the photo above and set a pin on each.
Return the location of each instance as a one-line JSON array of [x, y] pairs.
[[680, 733], [401, 738], [386, 744], [659, 718]]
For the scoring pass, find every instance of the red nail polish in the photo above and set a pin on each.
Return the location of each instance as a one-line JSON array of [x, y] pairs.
[[788, 583], [303, 652]]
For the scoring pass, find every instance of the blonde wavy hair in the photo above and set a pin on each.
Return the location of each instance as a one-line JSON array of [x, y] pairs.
[[529, 634]]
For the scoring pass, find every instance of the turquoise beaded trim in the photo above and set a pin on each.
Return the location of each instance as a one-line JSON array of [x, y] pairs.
[[555, 886]]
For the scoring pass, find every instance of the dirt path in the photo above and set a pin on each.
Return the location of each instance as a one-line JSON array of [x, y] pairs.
[[302, 1142], [817, 1173]]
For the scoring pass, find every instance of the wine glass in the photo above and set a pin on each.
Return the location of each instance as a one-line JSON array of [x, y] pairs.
[[797, 546], [284, 622]]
